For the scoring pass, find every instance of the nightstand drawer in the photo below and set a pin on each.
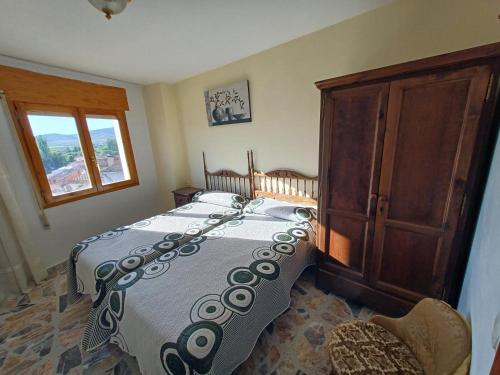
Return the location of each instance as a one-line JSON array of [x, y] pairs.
[[181, 200], [184, 195]]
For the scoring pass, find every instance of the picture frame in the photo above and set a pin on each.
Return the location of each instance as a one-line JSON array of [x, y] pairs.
[[229, 104]]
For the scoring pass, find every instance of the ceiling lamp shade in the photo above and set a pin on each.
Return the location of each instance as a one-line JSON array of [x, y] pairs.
[[110, 7]]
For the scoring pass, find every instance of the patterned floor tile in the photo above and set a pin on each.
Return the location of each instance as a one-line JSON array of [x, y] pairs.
[[40, 334]]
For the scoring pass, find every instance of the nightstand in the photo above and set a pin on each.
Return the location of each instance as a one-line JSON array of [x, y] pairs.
[[184, 195]]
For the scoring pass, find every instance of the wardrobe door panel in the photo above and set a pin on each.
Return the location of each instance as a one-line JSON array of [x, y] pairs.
[[426, 149], [347, 241], [419, 251], [431, 130], [352, 132]]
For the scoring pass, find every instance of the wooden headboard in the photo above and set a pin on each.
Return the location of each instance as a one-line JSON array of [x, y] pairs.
[[230, 181], [284, 185], [281, 184]]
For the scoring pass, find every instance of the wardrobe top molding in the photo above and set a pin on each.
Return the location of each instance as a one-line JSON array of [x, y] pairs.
[[464, 57]]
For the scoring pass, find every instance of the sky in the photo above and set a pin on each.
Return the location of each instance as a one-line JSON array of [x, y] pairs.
[[42, 124]]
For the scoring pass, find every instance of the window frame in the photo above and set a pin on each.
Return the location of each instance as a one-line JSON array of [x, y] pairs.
[[37, 168]]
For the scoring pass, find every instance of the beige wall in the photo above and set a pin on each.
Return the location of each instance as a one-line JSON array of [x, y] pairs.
[[167, 140], [285, 102]]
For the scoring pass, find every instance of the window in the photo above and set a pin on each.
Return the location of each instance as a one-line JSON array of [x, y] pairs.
[[108, 148], [74, 152]]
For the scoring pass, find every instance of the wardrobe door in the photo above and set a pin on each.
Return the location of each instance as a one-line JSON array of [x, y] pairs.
[[352, 134], [432, 124]]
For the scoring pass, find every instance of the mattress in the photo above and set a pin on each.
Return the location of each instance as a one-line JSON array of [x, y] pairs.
[[201, 307]]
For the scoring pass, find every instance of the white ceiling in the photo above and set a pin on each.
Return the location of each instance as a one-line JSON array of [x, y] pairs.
[[160, 40]]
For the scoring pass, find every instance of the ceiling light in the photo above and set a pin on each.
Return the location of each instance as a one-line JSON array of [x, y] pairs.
[[110, 7]]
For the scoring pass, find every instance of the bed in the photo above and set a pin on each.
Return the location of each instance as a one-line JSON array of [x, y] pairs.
[[97, 262], [146, 293], [203, 313], [200, 308]]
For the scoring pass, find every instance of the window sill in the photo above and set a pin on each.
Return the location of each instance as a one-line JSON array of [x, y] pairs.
[[77, 196]]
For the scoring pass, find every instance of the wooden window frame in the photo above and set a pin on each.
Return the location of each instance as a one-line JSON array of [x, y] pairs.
[[37, 169]]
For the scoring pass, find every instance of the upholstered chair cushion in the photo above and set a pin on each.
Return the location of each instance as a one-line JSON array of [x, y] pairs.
[[364, 348], [437, 334]]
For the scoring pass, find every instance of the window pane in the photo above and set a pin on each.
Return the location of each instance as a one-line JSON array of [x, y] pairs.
[[108, 147], [61, 152]]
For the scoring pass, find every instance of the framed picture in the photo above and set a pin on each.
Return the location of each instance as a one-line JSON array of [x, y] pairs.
[[228, 105]]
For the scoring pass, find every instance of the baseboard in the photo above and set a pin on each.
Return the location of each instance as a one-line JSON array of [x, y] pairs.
[[363, 294], [57, 268]]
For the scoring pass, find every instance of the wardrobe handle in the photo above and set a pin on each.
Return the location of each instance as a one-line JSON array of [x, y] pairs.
[[382, 200]]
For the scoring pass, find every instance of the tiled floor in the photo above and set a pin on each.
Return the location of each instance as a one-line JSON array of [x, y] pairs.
[[41, 335]]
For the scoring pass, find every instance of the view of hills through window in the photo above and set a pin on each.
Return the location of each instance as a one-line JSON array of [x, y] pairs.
[[60, 149], [108, 148]]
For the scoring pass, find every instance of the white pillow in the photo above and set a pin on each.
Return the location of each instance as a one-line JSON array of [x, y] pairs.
[[221, 198], [282, 210]]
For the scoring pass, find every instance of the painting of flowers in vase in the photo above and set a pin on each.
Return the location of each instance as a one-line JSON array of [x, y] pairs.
[[228, 105]]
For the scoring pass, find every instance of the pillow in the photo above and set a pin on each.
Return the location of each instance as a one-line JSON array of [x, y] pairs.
[[282, 210], [220, 198]]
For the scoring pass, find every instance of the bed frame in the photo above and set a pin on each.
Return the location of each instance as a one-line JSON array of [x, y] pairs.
[[228, 180], [281, 184], [284, 185]]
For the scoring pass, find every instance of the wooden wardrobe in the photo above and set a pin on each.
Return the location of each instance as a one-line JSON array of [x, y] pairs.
[[404, 153]]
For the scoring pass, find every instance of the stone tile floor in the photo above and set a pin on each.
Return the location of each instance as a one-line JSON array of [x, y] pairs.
[[40, 334]]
